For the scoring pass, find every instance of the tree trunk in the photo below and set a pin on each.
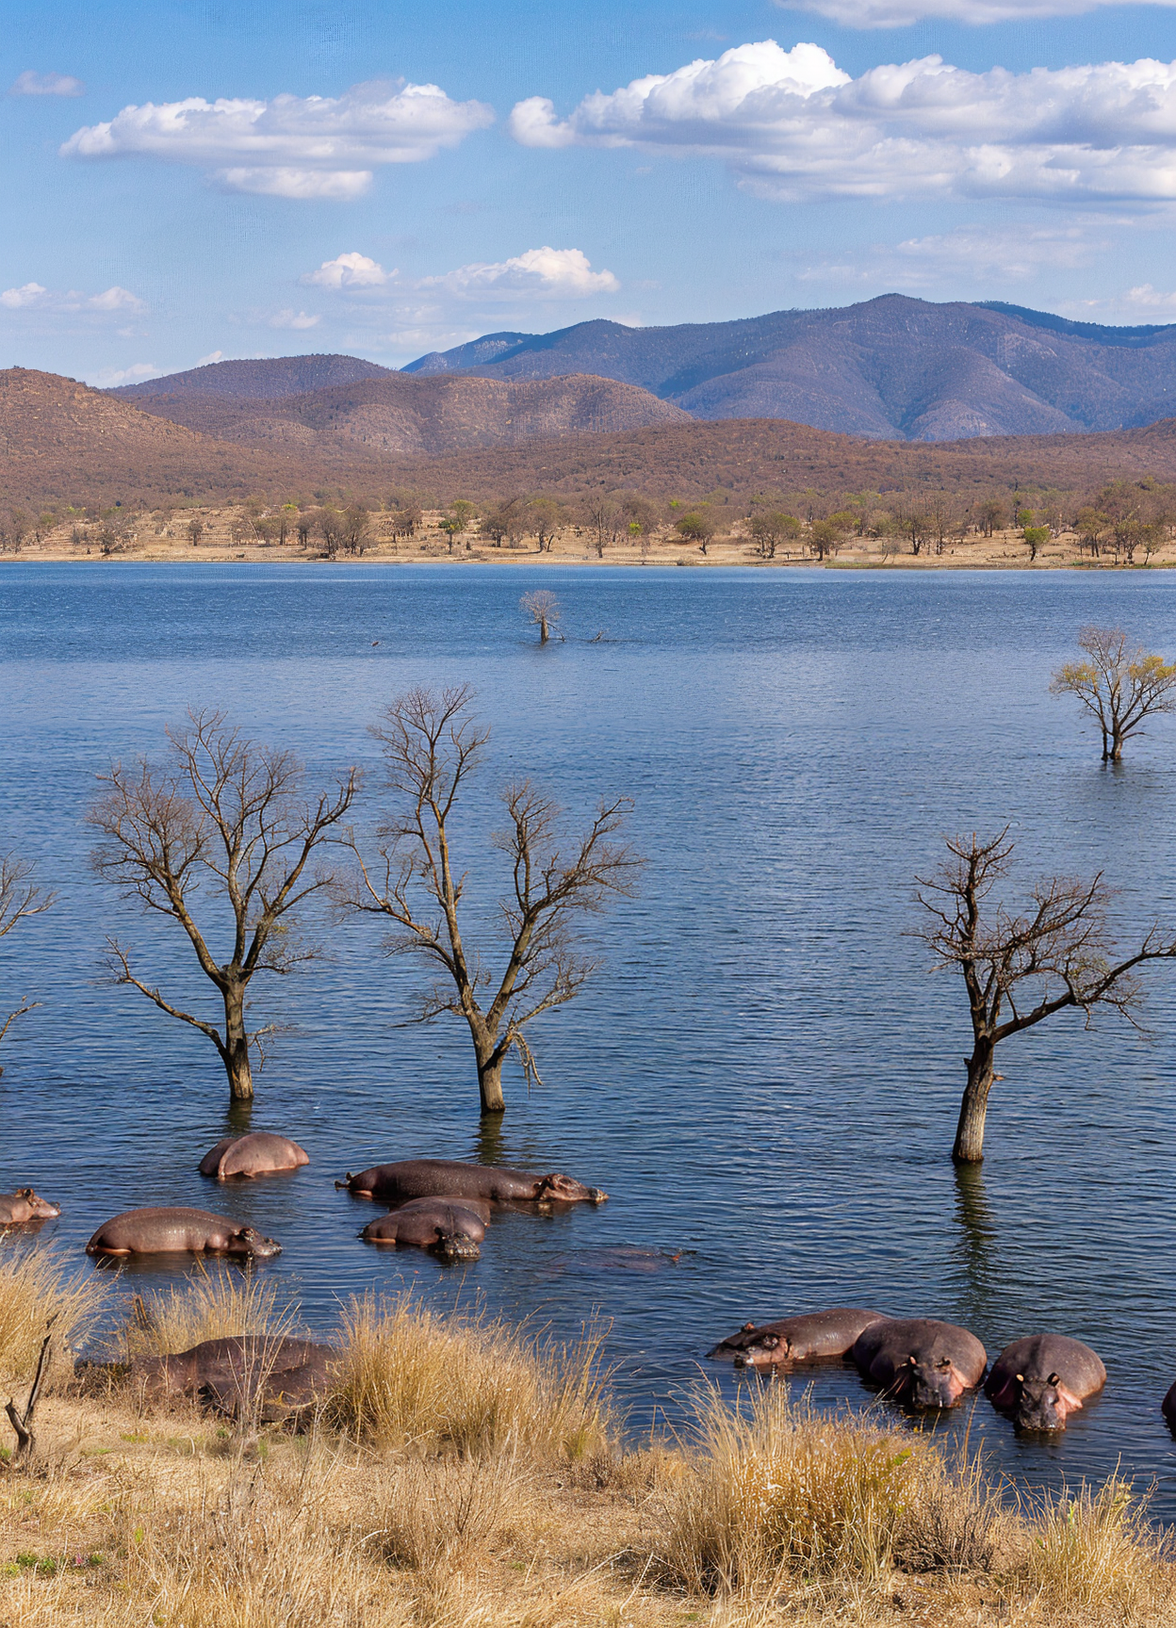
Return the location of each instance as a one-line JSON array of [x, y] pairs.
[[969, 1142], [236, 1054], [490, 1085], [542, 630]]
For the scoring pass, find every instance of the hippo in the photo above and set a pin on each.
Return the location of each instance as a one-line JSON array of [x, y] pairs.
[[177, 1230], [1043, 1378], [797, 1339], [919, 1361], [1168, 1408], [436, 1178], [449, 1226], [260, 1153], [279, 1376], [25, 1205]]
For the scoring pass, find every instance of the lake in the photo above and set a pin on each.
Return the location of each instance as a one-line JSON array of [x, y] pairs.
[[765, 1072]]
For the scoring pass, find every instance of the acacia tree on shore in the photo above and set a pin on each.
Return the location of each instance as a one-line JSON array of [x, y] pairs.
[[432, 744], [20, 898], [1020, 968], [225, 819], [1120, 684]]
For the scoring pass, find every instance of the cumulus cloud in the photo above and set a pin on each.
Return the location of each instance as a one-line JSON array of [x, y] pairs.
[[792, 126], [899, 13], [31, 83], [306, 147], [1147, 298], [545, 273], [36, 297], [352, 270], [293, 319], [213, 356]]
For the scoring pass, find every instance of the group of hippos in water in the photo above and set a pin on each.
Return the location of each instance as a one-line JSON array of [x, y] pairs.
[[445, 1206]]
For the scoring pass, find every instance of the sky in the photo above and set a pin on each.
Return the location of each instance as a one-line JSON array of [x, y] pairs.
[[196, 180]]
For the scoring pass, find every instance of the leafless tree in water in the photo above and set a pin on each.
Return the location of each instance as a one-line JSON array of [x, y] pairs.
[[544, 610]]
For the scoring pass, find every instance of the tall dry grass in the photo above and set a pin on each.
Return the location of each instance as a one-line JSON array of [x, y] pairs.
[[1094, 1552], [216, 1303], [39, 1293], [412, 1379]]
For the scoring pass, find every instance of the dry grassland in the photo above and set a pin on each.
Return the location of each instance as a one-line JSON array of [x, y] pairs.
[[461, 1476]]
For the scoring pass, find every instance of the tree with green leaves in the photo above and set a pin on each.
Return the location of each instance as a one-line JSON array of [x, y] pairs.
[[1120, 684]]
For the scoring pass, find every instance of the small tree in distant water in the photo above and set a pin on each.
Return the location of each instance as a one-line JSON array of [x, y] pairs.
[[544, 610], [1120, 684]]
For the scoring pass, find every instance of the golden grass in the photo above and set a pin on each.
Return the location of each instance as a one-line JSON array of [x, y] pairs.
[[410, 1378], [39, 1293], [215, 1304], [1094, 1551]]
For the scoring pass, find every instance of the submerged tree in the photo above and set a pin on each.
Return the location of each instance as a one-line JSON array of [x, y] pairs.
[[224, 819], [20, 897], [1121, 684], [432, 744], [544, 610], [1021, 968]]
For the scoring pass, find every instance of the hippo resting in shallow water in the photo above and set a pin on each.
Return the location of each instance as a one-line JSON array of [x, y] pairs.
[[920, 1362], [437, 1178], [166, 1231], [24, 1205], [1042, 1378], [796, 1339], [451, 1227], [260, 1153], [278, 1376]]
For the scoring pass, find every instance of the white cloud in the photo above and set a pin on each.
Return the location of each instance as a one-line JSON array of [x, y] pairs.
[[106, 378], [539, 273], [351, 270], [968, 255], [213, 356], [31, 83], [293, 319], [1147, 298], [35, 297], [792, 126], [898, 13], [317, 147]]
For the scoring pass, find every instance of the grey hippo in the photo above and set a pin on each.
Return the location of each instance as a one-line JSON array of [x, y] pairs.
[[438, 1178], [919, 1361], [450, 1227], [1043, 1378], [25, 1205], [275, 1374], [797, 1339], [259, 1153], [166, 1230]]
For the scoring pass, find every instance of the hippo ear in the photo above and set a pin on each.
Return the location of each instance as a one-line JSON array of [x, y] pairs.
[[25, 1192], [944, 1362], [1020, 1378], [1054, 1379], [748, 1328]]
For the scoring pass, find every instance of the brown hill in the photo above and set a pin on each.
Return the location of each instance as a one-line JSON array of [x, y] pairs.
[[260, 378], [399, 414]]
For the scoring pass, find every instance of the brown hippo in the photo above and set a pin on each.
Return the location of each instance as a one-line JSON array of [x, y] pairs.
[[1042, 1378], [278, 1375], [24, 1205], [450, 1227], [437, 1178], [260, 1153], [797, 1339], [169, 1230], [921, 1362], [1168, 1408]]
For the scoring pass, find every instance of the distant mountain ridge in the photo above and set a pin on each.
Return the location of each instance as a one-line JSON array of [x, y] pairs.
[[268, 378], [892, 368]]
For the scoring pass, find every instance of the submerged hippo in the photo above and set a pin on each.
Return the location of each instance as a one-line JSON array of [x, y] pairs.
[[168, 1230], [1042, 1378], [919, 1361], [278, 1375], [437, 1178], [1168, 1408], [260, 1153], [25, 1205], [450, 1227], [796, 1339]]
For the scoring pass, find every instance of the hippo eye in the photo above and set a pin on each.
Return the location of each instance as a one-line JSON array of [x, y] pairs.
[[1053, 1380]]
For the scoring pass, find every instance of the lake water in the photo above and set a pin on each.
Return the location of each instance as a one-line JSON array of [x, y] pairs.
[[765, 1072]]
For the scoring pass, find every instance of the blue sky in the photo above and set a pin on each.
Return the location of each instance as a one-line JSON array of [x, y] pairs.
[[253, 178]]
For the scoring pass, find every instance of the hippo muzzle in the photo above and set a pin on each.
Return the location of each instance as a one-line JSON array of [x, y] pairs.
[[1040, 1406], [762, 1354], [250, 1242], [931, 1385], [455, 1246]]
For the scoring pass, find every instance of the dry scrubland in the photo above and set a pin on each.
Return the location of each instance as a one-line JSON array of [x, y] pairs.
[[464, 1476], [229, 534]]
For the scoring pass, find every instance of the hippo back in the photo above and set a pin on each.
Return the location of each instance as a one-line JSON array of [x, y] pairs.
[[921, 1359], [829, 1333], [1043, 1378], [257, 1153], [436, 1178]]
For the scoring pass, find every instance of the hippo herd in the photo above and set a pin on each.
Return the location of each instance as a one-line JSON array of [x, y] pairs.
[[444, 1206]]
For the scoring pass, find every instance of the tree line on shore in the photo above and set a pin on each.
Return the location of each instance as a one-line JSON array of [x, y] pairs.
[[1123, 520]]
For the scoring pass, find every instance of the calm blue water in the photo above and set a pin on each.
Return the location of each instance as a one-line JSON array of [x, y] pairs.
[[765, 1072]]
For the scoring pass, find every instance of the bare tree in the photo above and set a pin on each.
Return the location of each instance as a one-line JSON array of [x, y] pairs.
[[431, 745], [604, 518], [544, 609], [1021, 968], [19, 898], [1121, 684], [224, 818]]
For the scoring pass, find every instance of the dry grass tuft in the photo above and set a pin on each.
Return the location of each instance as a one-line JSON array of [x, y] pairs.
[[410, 1379], [37, 1289], [1093, 1553], [215, 1304]]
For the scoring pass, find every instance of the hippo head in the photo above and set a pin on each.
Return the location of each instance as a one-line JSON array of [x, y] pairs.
[[763, 1353], [1042, 1404], [455, 1246], [928, 1382], [248, 1241], [567, 1190], [40, 1209]]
